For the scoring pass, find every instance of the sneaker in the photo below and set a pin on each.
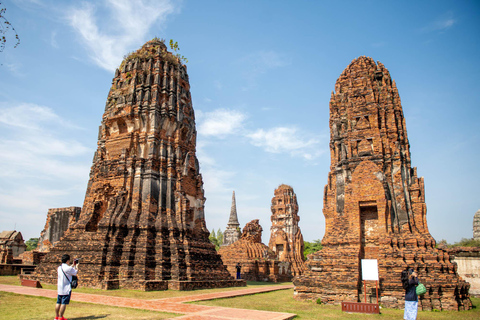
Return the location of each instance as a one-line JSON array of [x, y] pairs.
[[62, 318]]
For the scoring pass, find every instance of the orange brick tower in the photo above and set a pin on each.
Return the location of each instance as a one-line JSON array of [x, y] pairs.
[[374, 203], [142, 224], [286, 238]]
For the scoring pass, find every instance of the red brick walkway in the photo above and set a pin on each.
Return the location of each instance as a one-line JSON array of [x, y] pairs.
[[174, 305]]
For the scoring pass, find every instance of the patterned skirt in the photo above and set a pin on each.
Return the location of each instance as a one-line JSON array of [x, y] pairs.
[[411, 308]]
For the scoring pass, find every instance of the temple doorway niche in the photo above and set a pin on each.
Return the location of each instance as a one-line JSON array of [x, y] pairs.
[[279, 248], [369, 230]]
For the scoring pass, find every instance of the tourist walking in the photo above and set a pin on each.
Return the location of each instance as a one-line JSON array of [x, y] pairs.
[[411, 298], [64, 285]]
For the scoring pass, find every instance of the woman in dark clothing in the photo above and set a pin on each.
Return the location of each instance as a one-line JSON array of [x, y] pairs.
[[411, 298]]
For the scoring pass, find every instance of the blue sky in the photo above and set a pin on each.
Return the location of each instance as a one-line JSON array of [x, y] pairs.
[[261, 75]]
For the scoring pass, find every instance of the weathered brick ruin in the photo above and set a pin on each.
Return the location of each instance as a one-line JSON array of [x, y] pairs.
[[58, 220], [476, 225], [11, 246], [258, 262], [374, 203], [232, 232], [142, 225], [286, 238]]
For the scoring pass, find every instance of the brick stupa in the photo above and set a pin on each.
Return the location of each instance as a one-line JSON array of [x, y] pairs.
[[258, 262], [142, 224], [286, 238], [374, 203]]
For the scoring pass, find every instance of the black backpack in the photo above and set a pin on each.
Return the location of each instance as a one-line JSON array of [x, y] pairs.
[[404, 278]]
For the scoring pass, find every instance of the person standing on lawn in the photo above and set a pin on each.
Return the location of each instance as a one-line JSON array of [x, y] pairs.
[[411, 298], [64, 288]]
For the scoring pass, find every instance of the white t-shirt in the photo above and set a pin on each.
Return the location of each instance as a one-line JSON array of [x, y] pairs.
[[63, 285]]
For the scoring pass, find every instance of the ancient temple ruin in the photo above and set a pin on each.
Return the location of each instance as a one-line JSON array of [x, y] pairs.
[[374, 203], [232, 232], [286, 238], [142, 225], [258, 262], [11, 246], [58, 221]]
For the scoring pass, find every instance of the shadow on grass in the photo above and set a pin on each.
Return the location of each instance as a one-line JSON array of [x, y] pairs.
[[91, 317]]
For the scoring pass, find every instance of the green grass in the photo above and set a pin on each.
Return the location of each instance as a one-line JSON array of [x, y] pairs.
[[15, 306], [13, 280], [282, 301]]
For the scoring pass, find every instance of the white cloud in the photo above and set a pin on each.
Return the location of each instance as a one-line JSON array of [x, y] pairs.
[[34, 146], [286, 140], [441, 24], [126, 25], [220, 122]]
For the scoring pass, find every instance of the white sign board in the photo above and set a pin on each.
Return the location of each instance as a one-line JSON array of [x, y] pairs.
[[369, 269]]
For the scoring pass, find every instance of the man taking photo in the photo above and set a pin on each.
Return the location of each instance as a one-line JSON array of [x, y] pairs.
[[64, 288]]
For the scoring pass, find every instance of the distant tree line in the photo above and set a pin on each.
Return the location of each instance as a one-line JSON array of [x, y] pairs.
[[465, 242]]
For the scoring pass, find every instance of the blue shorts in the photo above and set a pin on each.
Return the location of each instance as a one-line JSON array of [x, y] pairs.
[[64, 299]]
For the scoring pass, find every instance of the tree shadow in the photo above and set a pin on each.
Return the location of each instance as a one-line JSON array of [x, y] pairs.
[[91, 317]]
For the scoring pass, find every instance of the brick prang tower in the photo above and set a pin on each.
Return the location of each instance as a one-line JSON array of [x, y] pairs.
[[286, 238], [374, 203], [142, 225]]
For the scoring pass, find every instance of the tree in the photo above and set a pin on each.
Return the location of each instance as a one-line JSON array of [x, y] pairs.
[[220, 237], [6, 26], [311, 247], [31, 244], [213, 239]]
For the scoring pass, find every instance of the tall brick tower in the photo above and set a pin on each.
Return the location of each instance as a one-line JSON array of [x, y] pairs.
[[286, 238], [232, 232], [374, 203], [142, 224]]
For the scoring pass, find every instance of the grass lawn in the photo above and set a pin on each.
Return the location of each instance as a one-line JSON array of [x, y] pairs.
[[15, 307], [283, 301]]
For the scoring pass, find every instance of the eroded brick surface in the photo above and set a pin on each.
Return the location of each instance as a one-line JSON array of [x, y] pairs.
[[286, 238], [58, 221], [258, 262], [142, 224], [374, 203]]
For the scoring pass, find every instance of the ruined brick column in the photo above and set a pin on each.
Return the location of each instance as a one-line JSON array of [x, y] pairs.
[[232, 232], [58, 221], [286, 238], [374, 203], [142, 224]]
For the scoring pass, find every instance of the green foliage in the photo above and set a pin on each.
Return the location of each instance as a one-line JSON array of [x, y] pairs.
[[311, 247], [220, 236], [31, 244], [6, 26], [465, 242], [319, 301], [174, 46], [217, 239]]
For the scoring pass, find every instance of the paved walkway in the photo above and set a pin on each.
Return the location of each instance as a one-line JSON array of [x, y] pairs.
[[174, 305]]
